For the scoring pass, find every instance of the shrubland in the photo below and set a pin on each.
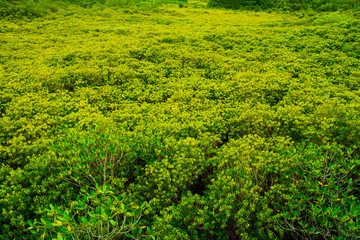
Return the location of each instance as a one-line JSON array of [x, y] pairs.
[[289, 5], [38, 8], [179, 123]]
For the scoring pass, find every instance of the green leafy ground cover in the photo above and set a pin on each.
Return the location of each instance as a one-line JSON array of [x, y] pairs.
[[291, 5], [182, 123]]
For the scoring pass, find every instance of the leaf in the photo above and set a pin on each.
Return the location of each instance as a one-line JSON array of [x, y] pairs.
[[84, 220], [129, 214], [113, 222], [59, 236]]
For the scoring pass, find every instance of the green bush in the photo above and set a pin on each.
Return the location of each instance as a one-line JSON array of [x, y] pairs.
[[25, 191], [234, 4], [96, 214], [28, 8], [230, 124], [274, 190], [39, 8], [293, 5], [324, 202]]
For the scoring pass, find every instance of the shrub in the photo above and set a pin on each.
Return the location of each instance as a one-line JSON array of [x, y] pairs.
[[324, 202], [293, 5], [97, 214], [29, 8]]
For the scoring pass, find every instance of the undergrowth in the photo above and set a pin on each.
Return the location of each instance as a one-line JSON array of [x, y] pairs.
[[179, 123]]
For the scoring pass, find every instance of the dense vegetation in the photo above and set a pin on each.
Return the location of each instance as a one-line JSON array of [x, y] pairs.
[[37, 8], [292, 5], [179, 123]]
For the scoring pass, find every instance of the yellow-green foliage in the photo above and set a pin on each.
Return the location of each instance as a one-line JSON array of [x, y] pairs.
[[225, 122]]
